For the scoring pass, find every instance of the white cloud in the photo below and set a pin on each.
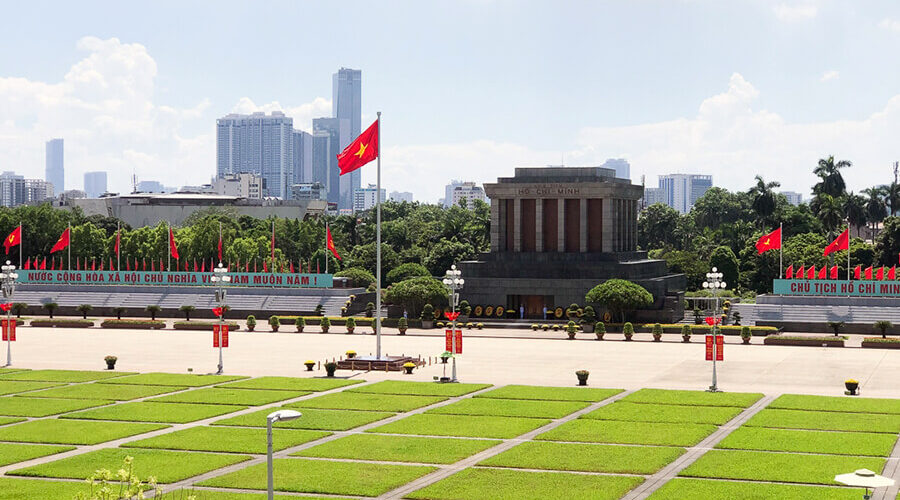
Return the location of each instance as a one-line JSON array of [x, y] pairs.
[[830, 75], [890, 24], [302, 114], [795, 12]]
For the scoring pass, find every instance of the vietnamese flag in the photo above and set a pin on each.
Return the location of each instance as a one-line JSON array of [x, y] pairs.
[[834, 272], [789, 272], [28, 263], [857, 272], [811, 273], [44, 264], [892, 273], [879, 275], [800, 274], [173, 248], [14, 238], [868, 273], [771, 241], [62, 242], [822, 273], [842, 242], [329, 243], [361, 151]]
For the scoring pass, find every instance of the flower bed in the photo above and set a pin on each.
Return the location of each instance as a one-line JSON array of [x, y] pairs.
[[881, 343], [816, 341], [203, 325], [141, 324], [62, 323]]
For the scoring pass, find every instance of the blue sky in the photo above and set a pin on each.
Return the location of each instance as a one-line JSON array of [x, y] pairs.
[[469, 89]]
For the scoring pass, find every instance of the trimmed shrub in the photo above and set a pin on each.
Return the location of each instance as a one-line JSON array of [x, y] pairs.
[[325, 324], [358, 277], [299, 323], [203, 325], [138, 324], [351, 325], [62, 323], [251, 322], [274, 323]]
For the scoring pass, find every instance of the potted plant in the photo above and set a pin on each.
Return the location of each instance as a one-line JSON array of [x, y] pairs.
[[600, 330], [852, 385], [251, 322], [325, 324], [274, 322], [309, 364], [883, 326], [153, 309], [330, 368], [469, 325], [657, 331], [698, 316], [428, 316], [582, 376], [370, 310], [408, 366], [187, 310], [545, 327], [571, 329], [535, 326], [350, 354], [628, 330], [479, 325], [686, 333], [588, 319], [299, 323], [572, 311], [402, 325], [736, 318], [351, 325], [84, 309], [445, 356], [463, 313], [746, 334], [110, 362]]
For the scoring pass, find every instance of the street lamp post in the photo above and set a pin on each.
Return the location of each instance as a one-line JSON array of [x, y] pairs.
[[8, 277], [220, 279], [714, 283], [453, 282], [278, 416]]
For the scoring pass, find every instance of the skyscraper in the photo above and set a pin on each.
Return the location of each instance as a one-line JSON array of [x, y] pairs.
[[346, 104], [257, 144], [620, 165], [681, 191], [303, 157], [339, 188], [54, 172], [94, 184]]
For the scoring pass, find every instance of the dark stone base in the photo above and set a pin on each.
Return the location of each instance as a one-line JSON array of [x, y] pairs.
[[371, 363]]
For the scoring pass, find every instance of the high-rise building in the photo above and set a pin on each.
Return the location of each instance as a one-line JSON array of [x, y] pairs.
[[364, 198], [94, 184], [153, 187], [54, 171], [257, 144], [401, 196], [653, 196], [681, 191], [793, 197], [469, 192], [37, 190], [303, 157], [346, 98], [308, 191], [620, 165], [17, 190], [337, 186], [244, 185], [448, 193]]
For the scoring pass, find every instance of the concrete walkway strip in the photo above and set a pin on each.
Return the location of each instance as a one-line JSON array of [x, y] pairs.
[[891, 470]]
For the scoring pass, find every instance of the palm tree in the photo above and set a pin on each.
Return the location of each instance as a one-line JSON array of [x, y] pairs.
[[891, 194], [763, 199], [829, 210], [875, 209], [855, 208], [832, 182]]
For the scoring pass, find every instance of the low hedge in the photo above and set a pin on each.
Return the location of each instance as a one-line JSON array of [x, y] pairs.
[[759, 331], [140, 324], [63, 323], [342, 321], [204, 325], [815, 341], [881, 343]]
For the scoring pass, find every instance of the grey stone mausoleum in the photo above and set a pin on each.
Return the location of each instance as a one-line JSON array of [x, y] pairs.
[[556, 232]]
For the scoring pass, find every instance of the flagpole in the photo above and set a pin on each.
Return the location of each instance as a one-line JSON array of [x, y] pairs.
[[326, 248], [848, 253], [273, 245], [21, 245], [169, 246], [69, 247], [780, 250], [378, 246], [220, 242]]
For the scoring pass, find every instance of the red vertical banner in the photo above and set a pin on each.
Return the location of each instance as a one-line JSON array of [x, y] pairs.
[[12, 330], [709, 347], [458, 342], [215, 335], [224, 335], [720, 348], [448, 337], [5, 330]]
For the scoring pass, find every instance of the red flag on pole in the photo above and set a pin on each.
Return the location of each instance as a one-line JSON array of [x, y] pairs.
[[892, 273], [62, 242], [101, 265], [203, 266], [811, 273], [857, 272], [329, 243], [172, 246], [292, 267], [834, 273], [153, 265], [28, 263], [800, 274], [118, 242], [14, 238], [161, 266], [361, 151], [868, 273], [842, 242], [879, 275], [111, 268], [255, 268], [127, 265], [789, 272], [265, 266], [771, 241], [219, 248], [822, 272]]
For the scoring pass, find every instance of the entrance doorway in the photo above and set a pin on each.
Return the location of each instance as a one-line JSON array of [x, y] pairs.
[[533, 305]]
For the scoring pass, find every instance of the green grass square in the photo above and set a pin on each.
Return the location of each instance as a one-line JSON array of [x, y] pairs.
[[680, 488], [42, 407], [586, 457], [498, 484], [203, 494], [147, 411], [103, 391], [399, 448], [462, 425], [826, 421], [67, 376], [364, 401], [323, 476], [11, 370], [55, 431], [222, 396], [176, 379], [511, 408], [15, 453], [779, 467], [10, 420], [805, 441], [830, 403], [588, 394], [612, 431], [419, 388], [27, 489], [693, 398], [166, 466], [649, 412], [227, 439], [313, 418], [292, 383], [13, 386]]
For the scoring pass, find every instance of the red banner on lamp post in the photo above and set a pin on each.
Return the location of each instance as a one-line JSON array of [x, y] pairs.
[[720, 348], [448, 338], [9, 330], [224, 330], [709, 347], [458, 349]]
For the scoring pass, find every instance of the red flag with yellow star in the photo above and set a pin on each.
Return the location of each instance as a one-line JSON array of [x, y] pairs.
[[361, 151], [771, 241]]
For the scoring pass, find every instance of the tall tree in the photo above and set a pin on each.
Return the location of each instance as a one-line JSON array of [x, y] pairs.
[[830, 210], [831, 181], [875, 209], [891, 194], [855, 209], [763, 195]]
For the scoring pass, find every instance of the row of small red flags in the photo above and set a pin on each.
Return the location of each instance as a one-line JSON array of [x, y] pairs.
[[93, 265], [811, 273]]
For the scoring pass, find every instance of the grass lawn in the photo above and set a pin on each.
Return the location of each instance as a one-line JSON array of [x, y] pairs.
[[293, 383], [511, 408], [227, 439], [10, 420], [781, 467], [22, 489], [835, 443], [363, 401], [145, 411], [55, 431], [829, 403], [42, 407], [10, 370], [103, 391], [826, 421], [227, 495], [12, 386], [62, 375], [313, 418], [176, 379], [495, 484], [649, 412], [611, 431], [14, 453], [399, 448], [550, 393], [693, 398], [159, 463], [462, 425], [321, 476], [586, 457], [419, 388], [681, 488], [222, 396]]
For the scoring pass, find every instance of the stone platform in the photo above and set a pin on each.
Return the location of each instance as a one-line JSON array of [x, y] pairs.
[[371, 363]]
